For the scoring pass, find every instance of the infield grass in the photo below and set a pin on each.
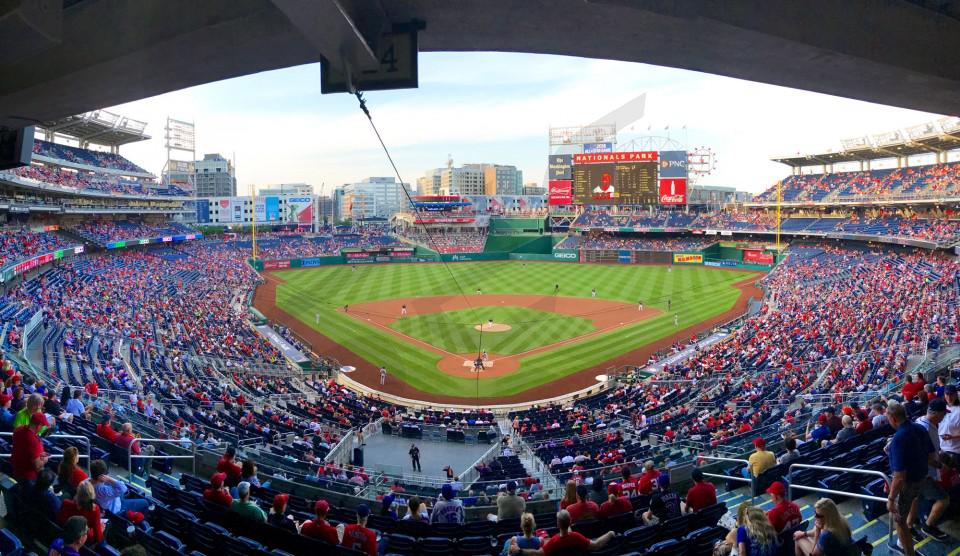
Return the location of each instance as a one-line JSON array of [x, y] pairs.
[[455, 331], [697, 293]]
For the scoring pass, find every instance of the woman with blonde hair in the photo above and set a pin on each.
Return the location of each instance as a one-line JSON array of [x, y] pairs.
[[527, 525], [757, 537], [569, 495], [85, 505], [69, 475], [725, 546], [830, 535]]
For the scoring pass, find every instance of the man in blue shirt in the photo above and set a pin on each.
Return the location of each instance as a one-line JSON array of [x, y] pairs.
[[910, 452]]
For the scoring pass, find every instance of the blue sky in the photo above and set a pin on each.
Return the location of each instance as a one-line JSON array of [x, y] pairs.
[[497, 107]]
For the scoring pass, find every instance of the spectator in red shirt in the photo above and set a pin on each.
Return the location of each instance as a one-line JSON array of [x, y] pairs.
[[85, 505], [910, 388], [357, 536], [105, 429], [564, 542], [69, 475], [318, 528], [784, 514], [218, 493], [617, 503], [645, 484], [583, 508], [229, 467], [864, 423], [28, 456], [701, 495], [627, 483]]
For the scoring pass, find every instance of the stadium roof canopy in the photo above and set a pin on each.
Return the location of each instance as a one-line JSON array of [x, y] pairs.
[[63, 58], [939, 136], [99, 127]]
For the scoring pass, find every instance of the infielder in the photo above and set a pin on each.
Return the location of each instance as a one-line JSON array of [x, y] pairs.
[[593, 293], [403, 310], [383, 376]]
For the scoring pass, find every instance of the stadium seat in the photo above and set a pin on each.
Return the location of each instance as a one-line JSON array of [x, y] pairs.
[[436, 546], [475, 546], [400, 544], [700, 542], [9, 543], [670, 547], [675, 528], [640, 538], [709, 516]]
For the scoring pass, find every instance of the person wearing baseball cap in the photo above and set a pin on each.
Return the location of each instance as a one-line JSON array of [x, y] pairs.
[[950, 426], [218, 493], [6, 416], [665, 503], [278, 514], [931, 490], [784, 514], [448, 508], [246, 507], [509, 505], [760, 460], [318, 528], [28, 456], [616, 503], [357, 536]]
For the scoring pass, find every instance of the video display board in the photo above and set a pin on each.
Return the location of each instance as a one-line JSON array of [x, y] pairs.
[[615, 183]]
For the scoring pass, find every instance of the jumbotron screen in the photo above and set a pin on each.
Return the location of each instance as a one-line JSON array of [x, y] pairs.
[[616, 179]]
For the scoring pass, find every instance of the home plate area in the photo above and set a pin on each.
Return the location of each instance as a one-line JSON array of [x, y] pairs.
[[472, 365]]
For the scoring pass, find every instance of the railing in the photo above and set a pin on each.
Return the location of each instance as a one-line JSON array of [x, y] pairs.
[[193, 456], [471, 474], [791, 486], [738, 478], [86, 442]]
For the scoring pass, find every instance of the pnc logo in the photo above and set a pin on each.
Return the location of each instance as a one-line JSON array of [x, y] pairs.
[[565, 256]]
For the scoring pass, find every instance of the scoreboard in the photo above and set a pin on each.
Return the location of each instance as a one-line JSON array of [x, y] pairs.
[[630, 178]]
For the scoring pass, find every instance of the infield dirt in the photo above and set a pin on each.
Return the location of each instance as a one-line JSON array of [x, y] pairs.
[[366, 373]]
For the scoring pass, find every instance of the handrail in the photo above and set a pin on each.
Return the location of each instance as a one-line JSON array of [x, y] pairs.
[[886, 479], [751, 481], [131, 456], [85, 440]]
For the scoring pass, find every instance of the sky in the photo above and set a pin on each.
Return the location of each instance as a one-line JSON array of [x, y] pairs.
[[497, 108]]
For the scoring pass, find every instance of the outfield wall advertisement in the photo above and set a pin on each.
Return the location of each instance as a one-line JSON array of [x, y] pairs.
[[757, 256], [687, 258]]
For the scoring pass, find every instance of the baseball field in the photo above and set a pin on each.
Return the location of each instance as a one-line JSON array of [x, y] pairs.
[[538, 327]]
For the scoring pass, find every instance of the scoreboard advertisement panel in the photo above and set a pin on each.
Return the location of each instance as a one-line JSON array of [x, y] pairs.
[[630, 178], [624, 178]]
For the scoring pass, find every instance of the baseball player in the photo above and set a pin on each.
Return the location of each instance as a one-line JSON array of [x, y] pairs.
[[383, 376], [593, 293], [403, 310]]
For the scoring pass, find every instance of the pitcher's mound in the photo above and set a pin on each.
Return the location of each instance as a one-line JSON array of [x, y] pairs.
[[495, 327]]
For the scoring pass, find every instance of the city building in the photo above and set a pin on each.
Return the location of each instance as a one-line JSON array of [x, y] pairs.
[[533, 189], [287, 189], [214, 177], [502, 180], [429, 183], [326, 213], [373, 197], [288, 209], [472, 179]]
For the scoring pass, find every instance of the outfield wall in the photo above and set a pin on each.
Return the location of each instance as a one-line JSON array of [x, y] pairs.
[[541, 248]]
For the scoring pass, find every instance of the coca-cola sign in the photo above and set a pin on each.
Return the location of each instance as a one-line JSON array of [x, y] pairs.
[[673, 191]]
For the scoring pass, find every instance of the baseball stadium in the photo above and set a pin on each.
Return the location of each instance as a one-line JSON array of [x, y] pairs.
[[626, 359]]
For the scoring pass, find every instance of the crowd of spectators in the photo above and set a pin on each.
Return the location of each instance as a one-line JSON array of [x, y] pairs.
[[913, 182], [94, 181], [104, 231], [17, 244], [443, 241], [601, 240], [85, 156]]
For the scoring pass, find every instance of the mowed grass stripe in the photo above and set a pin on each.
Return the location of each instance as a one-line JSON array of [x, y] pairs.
[[697, 293]]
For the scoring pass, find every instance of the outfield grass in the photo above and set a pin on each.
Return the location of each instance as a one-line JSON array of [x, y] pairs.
[[697, 293], [455, 331]]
